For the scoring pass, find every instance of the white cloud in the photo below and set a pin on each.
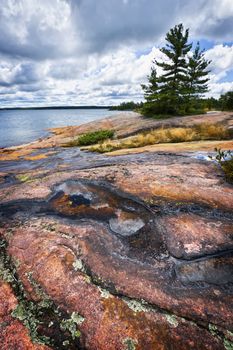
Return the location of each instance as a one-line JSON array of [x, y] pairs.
[[91, 52], [36, 28], [101, 79], [221, 57], [214, 21]]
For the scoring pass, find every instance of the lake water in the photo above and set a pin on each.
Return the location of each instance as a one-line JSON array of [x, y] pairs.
[[23, 126]]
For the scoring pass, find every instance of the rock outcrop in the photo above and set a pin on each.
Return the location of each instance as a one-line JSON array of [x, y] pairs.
[[132, 252], [126, 252]]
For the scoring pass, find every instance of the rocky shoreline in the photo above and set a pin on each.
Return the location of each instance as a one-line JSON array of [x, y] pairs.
[[130, 250]]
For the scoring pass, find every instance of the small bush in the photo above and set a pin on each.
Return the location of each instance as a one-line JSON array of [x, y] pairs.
[[227, 167], [225, 159], [91, 138]]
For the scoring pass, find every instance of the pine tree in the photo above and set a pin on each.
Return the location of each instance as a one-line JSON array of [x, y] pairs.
[[174, 76], [182, 78], [197, 73], [151, 93], [151, 90]]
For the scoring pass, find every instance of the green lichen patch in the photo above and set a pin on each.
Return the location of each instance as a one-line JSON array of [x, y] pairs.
[[135, 305], [76, 318], [23, 178], [214, 330], [37, 288], [66, 343], [230, 335], [28, 313], [104, 293], [130, 344], [228, 344], [172, 319], [226, 338], [78, 265], [71, 324], [6, 273]]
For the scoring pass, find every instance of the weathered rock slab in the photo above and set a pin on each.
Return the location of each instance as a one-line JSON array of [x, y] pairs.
[[142, 250]]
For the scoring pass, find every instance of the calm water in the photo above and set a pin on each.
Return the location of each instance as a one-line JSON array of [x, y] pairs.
[[23, 126]]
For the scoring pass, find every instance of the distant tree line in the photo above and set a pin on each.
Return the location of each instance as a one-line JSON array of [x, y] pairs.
[[127, 106], [224, 103]]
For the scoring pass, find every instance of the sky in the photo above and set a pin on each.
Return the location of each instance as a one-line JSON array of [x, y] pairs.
[[99, 52]]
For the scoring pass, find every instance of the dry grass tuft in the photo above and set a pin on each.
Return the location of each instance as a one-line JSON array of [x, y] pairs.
[[167, 135]]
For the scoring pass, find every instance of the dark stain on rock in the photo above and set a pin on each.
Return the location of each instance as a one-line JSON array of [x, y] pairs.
[[216, 270], [77, 200]]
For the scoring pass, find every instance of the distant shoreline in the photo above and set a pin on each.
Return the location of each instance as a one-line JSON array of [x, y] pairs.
[[20, 126], [54, 107]]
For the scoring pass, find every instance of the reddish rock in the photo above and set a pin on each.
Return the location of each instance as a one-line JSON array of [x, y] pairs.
[[13, 334], [190, 235], [146, 275], [109, 321]]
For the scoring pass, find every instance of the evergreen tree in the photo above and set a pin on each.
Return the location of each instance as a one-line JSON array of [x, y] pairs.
[[151, 90], [174, 75], [151, 93], [182, 77], [197, 74]]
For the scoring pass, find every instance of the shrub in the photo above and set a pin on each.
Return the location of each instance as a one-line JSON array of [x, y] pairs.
[[91, 138], [225, 159], [227, 167], [226, 101]]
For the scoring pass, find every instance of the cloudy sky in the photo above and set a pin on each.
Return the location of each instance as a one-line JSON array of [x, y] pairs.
[[80, 52]]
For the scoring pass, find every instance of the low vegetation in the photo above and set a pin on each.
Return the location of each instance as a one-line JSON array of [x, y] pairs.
[[226, 101], [127, 106], [167, 135], [91, 138], [227, 167], [225, 160]]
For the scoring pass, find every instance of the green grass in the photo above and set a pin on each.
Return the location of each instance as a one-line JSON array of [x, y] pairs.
[[91, 138]]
